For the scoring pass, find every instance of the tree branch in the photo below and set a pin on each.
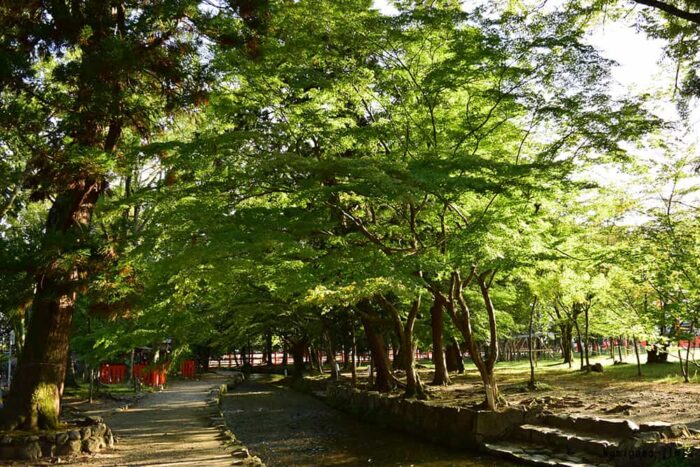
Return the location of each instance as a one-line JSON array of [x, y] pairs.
[[671, 10]]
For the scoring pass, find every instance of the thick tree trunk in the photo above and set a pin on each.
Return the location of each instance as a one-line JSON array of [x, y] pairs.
[[566, 347], [405, 334], [441, 377], [298, 349], [268, 348], [462, 321], [383, 381], [453, 357], [491, 389], [34, 399]]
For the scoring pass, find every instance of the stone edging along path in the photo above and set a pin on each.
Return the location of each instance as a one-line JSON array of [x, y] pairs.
[[526, 436], [239, 452]]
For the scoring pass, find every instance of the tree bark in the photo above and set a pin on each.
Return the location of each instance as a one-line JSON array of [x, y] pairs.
[[532, 384], [335, 374], [353, 364], [298, 349], [619, 349], [462, 321], [405, 334], [453, 357], [636, 354], [580, 346], [383, 381], [566, 347], [268, 348], [440, 377], [34, 399], [612, 348], [586, 323]]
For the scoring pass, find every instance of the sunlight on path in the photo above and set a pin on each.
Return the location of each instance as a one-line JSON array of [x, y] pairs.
[[168, 428]]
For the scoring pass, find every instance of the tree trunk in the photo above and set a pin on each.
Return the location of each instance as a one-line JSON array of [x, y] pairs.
[[532, 384], [34, 399], [657, 354], [585, 339], [396, 355], [636, 354], [454, 359], [405, 333], [268, 348], [130, 376], [462, 321], [491, 389], [580, 347], [335, 374], [298, 349], [619, 349], [566, 338], [612, 348], [441, 377], [383, 381], [71, 380], [91, 388], [353, 364]]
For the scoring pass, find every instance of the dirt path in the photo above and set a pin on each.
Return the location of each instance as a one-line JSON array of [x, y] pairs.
[[167, 428], [286, 428]]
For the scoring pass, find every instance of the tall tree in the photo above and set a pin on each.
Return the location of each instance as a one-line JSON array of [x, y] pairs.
[[98, 76]]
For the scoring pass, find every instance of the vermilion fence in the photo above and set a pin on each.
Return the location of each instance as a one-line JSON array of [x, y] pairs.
[[112, 373], [684, 343], [151, 375], [188, 369], [257, 358]]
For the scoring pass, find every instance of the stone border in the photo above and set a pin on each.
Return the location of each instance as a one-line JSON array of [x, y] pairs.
[[456, 427], [88, 435], [463, 427], [239, 452]]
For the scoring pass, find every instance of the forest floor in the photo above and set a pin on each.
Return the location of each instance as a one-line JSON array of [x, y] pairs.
[[170, 427], [658, 395]]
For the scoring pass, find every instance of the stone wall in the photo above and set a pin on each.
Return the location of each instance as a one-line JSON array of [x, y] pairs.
[[451, 426], [465, 428], [89, 435]]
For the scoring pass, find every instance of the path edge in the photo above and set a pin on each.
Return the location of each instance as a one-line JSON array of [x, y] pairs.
[[239, 452]]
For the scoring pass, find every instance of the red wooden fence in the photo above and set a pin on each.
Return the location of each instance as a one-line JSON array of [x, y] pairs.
[[257, 358], [151, 375], [188, 369], [112, 373], [684, 343]]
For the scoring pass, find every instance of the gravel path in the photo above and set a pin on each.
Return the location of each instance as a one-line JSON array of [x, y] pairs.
[[286, 428], [167, 428]]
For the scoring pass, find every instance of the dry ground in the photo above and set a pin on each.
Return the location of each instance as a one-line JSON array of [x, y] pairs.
[[658, 395]]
